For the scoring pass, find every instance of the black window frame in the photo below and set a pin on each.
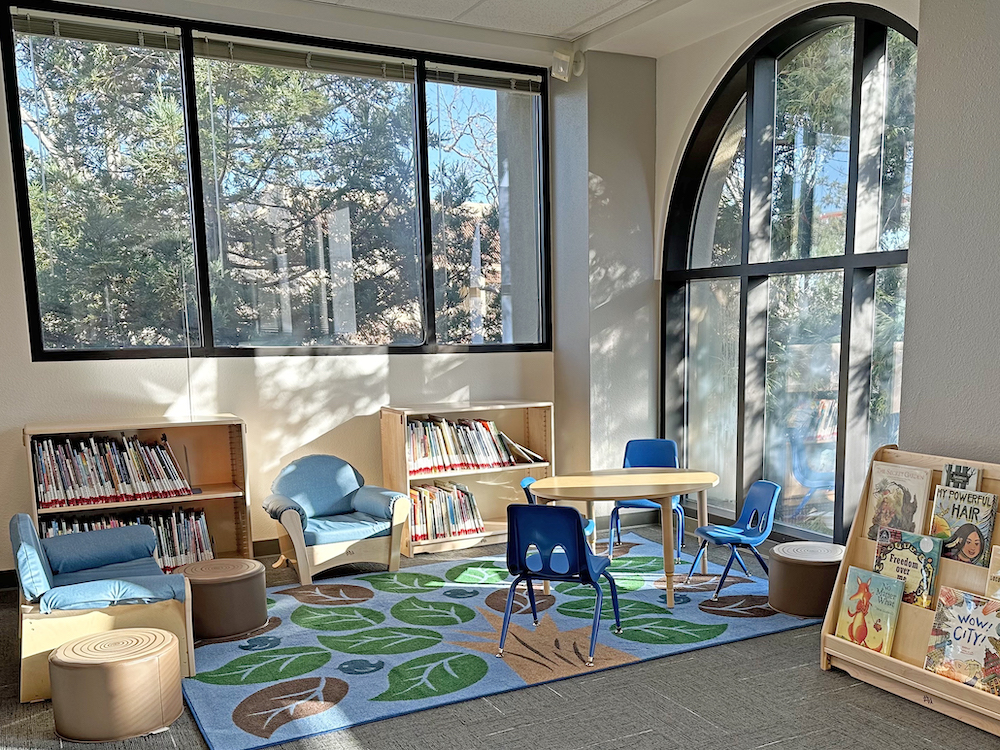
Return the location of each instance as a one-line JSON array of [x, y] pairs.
[[208, 348], [752, 77]]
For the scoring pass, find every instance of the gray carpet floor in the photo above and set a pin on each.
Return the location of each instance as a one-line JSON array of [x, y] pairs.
[[767, 692]]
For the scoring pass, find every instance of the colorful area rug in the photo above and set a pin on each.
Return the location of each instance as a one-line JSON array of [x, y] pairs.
[[345, 651]]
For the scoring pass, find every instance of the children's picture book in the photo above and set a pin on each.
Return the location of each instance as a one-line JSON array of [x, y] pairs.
[[913, 559], [897, 498], [964, 640], [993, 579], [960, 476], [964, 519], [869, 608]]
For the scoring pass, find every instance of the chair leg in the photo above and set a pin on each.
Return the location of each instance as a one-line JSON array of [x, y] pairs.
[[760, 560], [722, 579], [740, 561], [614, 601], [611, 533], [697, 558], [597, 623], [680, 528], [506, 614], [531, 600]]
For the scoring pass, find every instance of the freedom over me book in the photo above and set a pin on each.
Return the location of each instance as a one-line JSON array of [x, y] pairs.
[[965, 639], [913, 559], [869, 608], [897, 498], [964, 520]]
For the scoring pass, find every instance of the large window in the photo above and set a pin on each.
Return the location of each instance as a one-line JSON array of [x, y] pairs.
[[785, 267], [197, 189]]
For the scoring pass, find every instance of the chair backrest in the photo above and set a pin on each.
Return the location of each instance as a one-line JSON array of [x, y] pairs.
[[653, 453], [33, 570], [525, 485], [757, 516], [534, 532], [323, 485]]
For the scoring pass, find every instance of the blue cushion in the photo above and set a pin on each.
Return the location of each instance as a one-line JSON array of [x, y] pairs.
[[131, 569], [345, 527], [94, 549], [107, 593], [33, 569], [275, 505], [321, 485], [376, 501]]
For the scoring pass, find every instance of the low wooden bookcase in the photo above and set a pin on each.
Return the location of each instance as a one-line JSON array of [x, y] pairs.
[[211, 451], [528, 423], [902, 672]]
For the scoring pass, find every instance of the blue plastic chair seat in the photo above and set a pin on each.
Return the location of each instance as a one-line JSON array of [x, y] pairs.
[[654, 453], [644, 504], [589, 527]]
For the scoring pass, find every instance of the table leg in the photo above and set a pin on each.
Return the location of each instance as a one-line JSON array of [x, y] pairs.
[[667, 524], [703, 521]]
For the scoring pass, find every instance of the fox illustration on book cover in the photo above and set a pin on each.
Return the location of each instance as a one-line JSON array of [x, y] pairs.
[[868, 609]]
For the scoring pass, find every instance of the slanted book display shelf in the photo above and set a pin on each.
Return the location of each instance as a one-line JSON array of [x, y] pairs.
[[210, 452], [902, 671], [527, 423]]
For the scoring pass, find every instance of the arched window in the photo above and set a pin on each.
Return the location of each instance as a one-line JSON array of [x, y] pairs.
[[784, 286]]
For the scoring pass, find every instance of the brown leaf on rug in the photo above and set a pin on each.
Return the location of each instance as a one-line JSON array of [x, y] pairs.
[[621, 548], [738, 606], [700, 582], [329, 594], [498, 601], [267, 710], [267, 627], [545, 653]]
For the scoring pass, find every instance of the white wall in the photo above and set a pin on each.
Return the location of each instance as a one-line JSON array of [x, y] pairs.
[[952, 352], [292, 405], [686, 79]]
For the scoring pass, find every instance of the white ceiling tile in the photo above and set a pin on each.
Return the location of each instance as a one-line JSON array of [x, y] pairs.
[[546, 17], [441, 10], [595, 22]]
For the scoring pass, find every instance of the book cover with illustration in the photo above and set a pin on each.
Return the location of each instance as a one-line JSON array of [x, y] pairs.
[[961, 476], [897, 498], [964, 519], [868, 609], [993, 579], [965, 639], [913, 559]]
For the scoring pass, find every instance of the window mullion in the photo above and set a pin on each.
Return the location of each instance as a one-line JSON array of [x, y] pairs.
[[759, 161], [424, 194], [196, 192], [868, 110]]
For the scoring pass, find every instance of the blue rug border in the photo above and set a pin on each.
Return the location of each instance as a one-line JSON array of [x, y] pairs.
[[802, 623]]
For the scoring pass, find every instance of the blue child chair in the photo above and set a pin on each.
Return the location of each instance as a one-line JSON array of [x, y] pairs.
[[547, 543], [653, 454], [753, 527], [588, 527]]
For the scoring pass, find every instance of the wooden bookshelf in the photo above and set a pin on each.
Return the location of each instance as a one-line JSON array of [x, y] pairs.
[[902, 672], [528, 423], [212, 453]]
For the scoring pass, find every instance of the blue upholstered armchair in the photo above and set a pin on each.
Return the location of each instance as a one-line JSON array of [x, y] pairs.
[[328, 516], [89, 582]]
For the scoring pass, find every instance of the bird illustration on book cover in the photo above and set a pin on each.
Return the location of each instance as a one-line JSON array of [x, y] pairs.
[[965, 640], [869, 608]]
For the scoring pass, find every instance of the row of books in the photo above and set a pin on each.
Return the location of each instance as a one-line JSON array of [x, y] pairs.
[[443, 510], [105, 470], [438, 444], [181, 536]]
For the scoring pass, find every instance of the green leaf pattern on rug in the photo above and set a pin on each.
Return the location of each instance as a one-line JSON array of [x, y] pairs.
[[339, 618], [415, 611], [388, 640], [268, 666], [404, 583], [484, 572], [584, 608], [636, 565], [270, 602], [432, 675], [624, 582], [666, 631]]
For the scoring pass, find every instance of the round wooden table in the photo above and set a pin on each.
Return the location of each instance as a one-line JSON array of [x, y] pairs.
[[658, 485]]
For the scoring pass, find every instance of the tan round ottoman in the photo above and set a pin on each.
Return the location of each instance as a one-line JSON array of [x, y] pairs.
[[802, 576], [114, 685], [227, 597]]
